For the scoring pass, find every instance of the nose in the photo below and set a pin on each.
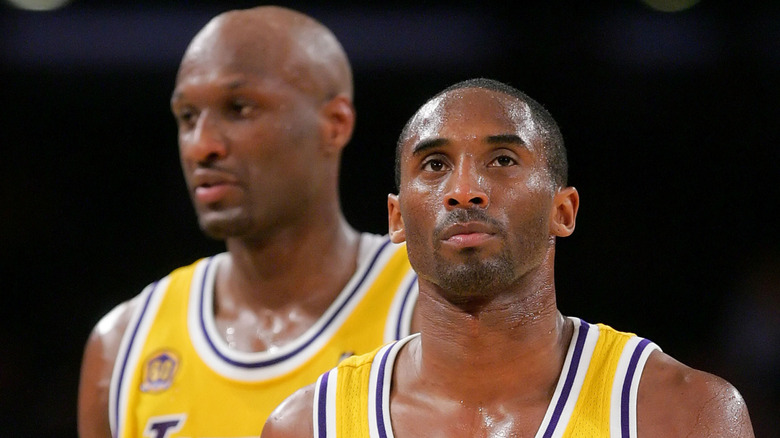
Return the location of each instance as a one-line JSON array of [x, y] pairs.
[[465, 189], [205, 141]]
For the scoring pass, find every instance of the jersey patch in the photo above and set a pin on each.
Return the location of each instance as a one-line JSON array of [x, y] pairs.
[[159, 371]]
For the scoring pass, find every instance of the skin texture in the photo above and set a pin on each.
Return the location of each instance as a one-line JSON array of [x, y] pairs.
[[263, 103], [475, 195]]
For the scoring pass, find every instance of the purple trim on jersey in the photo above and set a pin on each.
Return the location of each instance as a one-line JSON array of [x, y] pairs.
[[625, 396], [322, 404], [582, 333], [264, 363], [380, 386], [127, 355], [404, 303]]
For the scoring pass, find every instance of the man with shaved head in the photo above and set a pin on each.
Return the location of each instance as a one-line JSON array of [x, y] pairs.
[[482, 198], [263, 103]]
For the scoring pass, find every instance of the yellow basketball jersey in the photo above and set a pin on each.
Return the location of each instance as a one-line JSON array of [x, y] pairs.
[[176, 376], [595, 396]]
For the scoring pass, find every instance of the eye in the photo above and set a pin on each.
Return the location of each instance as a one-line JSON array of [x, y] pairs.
[[434, 165], [186, 116], [241, 109], [502, 161]]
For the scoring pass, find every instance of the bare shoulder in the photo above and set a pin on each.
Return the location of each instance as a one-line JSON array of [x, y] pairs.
[[675, 400], [292, 418], [97, 366], [108, 332]]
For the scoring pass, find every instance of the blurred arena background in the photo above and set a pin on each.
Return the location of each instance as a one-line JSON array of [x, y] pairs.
[[669, 110]]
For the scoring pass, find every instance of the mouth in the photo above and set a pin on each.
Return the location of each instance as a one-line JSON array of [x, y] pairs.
[[467, 235], [211, 186]]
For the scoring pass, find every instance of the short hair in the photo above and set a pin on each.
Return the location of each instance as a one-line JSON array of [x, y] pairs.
[[554, 148]]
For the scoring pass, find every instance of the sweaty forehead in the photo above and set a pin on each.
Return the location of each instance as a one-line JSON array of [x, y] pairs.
[[471, 113]]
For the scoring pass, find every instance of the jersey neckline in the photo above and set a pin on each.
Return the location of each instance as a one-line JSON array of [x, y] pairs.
[[214, 350]]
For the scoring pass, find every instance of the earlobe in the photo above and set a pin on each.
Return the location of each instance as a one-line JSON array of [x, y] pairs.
[[564, 213], [395, 222], [339, 116]]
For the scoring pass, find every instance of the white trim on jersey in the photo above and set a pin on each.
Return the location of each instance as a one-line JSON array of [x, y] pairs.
[[567, 391], [315, 411], [372, 391], [130, 351], [635, 385], [329, 383], [380, 381], [623, 399]]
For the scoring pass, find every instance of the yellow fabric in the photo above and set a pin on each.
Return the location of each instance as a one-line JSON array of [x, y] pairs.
[[591, 413], [352, 396], [208, 404]]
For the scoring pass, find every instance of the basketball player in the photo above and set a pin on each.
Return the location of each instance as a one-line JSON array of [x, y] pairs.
[[482, 199], [263, 101]]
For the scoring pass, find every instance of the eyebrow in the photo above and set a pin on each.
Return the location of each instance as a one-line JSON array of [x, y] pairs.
[[238, 83], [432, 143], [506, 138], [232, 85]]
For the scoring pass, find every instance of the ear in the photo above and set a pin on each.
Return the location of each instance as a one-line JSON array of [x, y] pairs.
[[338, 122], [564, 213], [395, 221]]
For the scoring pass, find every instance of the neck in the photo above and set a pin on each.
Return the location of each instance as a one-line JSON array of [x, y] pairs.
[[519, 338], [296, 265]]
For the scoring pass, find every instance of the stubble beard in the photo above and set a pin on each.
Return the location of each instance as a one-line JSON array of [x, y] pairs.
[[475, 277]]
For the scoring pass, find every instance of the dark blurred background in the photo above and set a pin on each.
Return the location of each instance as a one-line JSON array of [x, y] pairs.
[[670, 117]]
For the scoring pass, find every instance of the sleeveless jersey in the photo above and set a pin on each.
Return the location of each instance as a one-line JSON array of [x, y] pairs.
[[595, 396], [176, 376]]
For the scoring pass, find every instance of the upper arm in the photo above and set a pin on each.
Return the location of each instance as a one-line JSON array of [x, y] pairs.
[[293, 418], [676, 400], [96, 368]]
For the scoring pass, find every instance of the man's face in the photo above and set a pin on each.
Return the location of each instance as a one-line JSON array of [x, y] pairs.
[[475, 198], [248, 141]]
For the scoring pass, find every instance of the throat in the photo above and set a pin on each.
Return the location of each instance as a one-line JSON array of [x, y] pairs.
[[521, 359]]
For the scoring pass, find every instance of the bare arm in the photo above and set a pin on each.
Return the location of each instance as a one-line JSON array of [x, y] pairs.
[[96, 368], [679, 401], [292, 418]]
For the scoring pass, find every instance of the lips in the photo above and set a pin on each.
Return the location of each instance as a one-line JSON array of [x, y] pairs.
[[467, 234], [211, 186]]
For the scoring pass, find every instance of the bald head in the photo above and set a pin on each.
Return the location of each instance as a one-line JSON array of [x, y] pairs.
[[275, 43]]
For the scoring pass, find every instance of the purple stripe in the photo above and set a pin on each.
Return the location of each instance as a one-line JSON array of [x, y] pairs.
[[380, 387], [624, 402], [322, 403], [127, 355], [265, 363], [404, 303], [573, 366]]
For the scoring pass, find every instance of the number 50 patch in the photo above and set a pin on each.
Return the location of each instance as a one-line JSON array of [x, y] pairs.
[[159, 371]]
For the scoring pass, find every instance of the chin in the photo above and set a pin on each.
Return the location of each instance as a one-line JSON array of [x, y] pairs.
[[220, 226], [475, 276]]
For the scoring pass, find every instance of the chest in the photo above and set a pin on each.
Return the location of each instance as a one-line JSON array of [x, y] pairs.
[[515, 420], [252, 331]]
